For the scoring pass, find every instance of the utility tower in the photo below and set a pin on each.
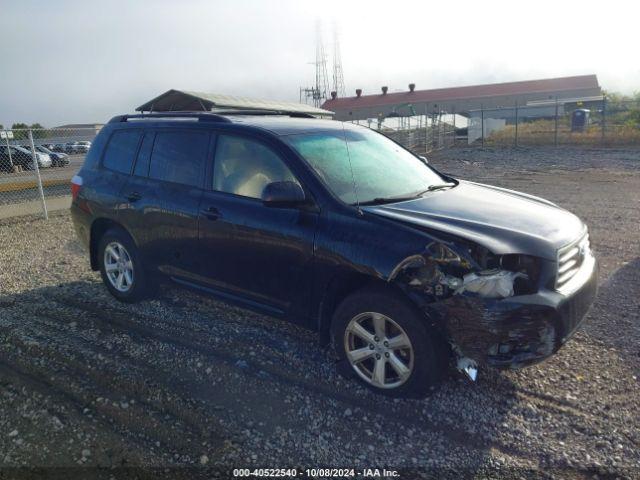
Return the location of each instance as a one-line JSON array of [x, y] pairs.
[[338, 76], [318, 93]]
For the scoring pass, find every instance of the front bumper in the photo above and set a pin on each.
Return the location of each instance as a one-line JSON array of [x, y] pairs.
[[516, 331]]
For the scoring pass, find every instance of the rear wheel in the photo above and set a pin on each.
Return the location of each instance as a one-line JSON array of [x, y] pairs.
[[382, 340], [121, 268]]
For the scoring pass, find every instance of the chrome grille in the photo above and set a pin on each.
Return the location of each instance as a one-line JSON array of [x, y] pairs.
[[570, 258]]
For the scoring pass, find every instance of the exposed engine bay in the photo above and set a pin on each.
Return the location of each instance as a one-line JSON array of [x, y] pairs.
[[465, 291]]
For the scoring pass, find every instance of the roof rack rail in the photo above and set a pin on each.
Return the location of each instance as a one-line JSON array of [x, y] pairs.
[[195, 116], [262, 112]]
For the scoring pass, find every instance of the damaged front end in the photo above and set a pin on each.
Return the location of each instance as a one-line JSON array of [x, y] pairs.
[[494, 310]]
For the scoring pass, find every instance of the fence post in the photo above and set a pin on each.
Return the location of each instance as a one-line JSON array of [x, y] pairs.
[[426, 128], [555, 134], [604, 117], [453, 143], [482, 125], [39, 179], [6, 138], [516, 140]]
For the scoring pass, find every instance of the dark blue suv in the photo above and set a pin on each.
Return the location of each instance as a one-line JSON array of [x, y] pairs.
[[335, 227]]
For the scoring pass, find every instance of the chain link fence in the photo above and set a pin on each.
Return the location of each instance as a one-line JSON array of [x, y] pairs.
[[419, 133], [597, 123], [36, 167]]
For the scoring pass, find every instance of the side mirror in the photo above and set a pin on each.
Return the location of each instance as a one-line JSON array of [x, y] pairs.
[[283, 195], [423, 159]]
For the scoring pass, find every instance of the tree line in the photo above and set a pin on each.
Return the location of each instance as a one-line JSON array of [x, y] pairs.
[[20, 130]]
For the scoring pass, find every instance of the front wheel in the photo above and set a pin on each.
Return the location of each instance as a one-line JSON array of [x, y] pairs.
[[384, 342], [121, 268]]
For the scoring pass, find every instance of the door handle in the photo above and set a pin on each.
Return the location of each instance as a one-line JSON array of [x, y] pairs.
[[134, 196], [212, 213]]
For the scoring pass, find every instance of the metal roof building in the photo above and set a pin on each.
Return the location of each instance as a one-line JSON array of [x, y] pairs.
[[461, 100], [185, 100]]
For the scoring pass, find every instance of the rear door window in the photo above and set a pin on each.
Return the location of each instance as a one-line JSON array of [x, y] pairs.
[[179, 157], [121, 150]]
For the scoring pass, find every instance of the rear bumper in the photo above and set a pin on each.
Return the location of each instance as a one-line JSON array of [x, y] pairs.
[[517, 331], [81, 223]]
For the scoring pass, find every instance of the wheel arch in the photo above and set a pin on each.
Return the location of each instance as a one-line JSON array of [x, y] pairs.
[[342, 285], [98, 228]]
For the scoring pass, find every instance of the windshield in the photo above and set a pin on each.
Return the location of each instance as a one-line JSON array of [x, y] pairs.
[[381, 168]]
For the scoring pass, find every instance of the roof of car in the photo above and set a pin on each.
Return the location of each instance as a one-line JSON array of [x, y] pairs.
[[285, 125], [278, 124]]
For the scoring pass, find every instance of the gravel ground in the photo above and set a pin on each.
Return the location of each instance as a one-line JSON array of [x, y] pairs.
[[185, 387]]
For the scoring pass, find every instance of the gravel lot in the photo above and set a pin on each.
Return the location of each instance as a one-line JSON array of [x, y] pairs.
[[185, 386]]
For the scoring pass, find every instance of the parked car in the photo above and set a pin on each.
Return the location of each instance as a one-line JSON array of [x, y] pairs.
[[334, 226], [58, 148], [70, 148], [57, 159], [21, 156], [44, 160], [77, 147], [17, 158]]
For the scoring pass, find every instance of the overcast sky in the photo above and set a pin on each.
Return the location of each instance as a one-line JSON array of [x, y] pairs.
[[84, 61]]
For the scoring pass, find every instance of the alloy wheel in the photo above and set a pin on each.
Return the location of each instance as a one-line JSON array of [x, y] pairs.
[[118, 267], [379, 350]]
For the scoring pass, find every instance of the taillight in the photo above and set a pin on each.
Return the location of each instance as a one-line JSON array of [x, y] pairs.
[[76, 185]]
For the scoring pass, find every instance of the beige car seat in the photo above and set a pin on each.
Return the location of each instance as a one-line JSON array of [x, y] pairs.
[[244, 170]]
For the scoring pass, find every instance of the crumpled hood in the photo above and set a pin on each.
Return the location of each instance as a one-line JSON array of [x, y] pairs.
[[504, 221]]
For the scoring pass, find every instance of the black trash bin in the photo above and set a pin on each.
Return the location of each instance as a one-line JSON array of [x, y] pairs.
[[579, 119]]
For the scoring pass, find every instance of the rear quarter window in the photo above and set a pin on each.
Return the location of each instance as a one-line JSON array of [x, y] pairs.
[[179, 157], [144, 155], [121, 150]]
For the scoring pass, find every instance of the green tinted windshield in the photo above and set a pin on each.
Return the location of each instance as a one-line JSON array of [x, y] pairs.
[[381, 168]]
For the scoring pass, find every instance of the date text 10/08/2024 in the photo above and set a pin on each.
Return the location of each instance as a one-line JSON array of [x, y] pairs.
[[316, 472]]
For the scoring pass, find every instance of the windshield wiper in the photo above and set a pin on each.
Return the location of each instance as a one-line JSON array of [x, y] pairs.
[[383, 200], [439, 186], [403, 198]]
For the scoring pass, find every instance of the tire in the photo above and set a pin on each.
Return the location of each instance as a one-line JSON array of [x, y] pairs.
[[134, 287], [425, 360]]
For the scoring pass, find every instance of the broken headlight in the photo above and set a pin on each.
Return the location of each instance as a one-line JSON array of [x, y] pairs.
[[526, 264], [502, 276], [445, 270]]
